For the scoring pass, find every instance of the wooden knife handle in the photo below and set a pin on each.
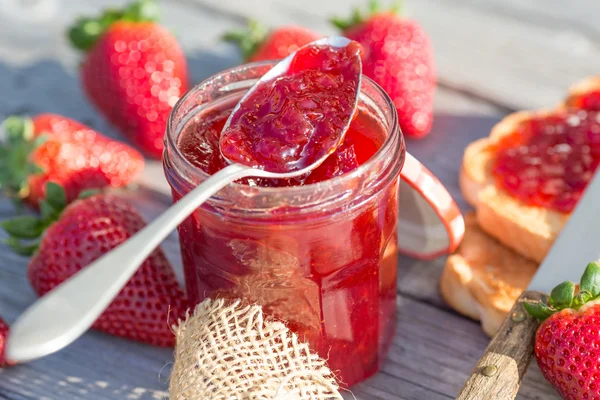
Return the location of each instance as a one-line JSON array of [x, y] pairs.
[[499, 372]]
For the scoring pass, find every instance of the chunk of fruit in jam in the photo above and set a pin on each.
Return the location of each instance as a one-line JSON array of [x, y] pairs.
[[549, 160], [291, 122]]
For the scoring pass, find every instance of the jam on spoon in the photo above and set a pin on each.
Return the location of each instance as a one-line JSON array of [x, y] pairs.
[[296, 119]]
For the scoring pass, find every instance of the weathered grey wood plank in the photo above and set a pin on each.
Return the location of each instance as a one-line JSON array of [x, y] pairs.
[[580, 15]]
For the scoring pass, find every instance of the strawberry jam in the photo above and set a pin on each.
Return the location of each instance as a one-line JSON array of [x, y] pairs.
[[318, 252], [290, 122], [588, 101], [550, 159]]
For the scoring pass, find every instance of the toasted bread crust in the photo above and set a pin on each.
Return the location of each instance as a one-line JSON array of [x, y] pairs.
[[531, 231], [474, 176], [483, 279]]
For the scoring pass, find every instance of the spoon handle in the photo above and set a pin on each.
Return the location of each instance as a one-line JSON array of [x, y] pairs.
[[66, 312]]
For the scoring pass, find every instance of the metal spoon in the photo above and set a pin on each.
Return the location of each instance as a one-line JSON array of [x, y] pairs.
[[65, 313]]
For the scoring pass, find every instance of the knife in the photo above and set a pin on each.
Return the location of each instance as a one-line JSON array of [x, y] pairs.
[[498, 373]]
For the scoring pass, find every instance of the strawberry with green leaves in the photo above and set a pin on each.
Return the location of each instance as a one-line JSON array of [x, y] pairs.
[[134, 70], [53, 148], [397, 54], [567, 343], [257, 43], [66, 238]]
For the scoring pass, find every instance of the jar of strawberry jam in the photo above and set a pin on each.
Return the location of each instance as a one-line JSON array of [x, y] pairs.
[[320, 252]]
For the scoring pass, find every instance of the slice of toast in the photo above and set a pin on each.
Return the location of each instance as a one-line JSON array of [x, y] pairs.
[[483, 279], [530, 230]]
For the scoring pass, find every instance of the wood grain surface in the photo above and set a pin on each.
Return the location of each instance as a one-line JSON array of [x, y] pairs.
[[493, 57]]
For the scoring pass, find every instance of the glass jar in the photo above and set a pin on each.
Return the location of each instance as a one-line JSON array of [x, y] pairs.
[[321, 257]]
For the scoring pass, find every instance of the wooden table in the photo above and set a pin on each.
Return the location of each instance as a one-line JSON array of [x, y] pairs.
[[493, 57]]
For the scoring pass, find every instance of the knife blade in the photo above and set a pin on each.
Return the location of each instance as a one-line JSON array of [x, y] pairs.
[[498, 373]]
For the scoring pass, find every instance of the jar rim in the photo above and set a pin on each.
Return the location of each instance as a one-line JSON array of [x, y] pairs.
[[393, 141]]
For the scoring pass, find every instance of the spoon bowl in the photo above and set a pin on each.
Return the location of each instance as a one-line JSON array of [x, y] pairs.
[[281, 69]]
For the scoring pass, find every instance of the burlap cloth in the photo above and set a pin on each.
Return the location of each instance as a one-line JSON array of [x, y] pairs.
[[229, 351]]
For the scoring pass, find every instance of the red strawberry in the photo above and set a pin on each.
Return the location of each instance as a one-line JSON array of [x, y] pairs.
[[258, 44], [567, 342], [399, 57], [3, 335], [84, 231], [134, 71], [58, 149]]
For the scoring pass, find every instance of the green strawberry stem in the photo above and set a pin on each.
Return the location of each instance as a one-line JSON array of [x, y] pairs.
[[15, 162], [25, 231], [248, 40], [567, 296], [86, 31], [359, 17]]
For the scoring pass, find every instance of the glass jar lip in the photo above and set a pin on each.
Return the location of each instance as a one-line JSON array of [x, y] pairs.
[[388, 144]]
